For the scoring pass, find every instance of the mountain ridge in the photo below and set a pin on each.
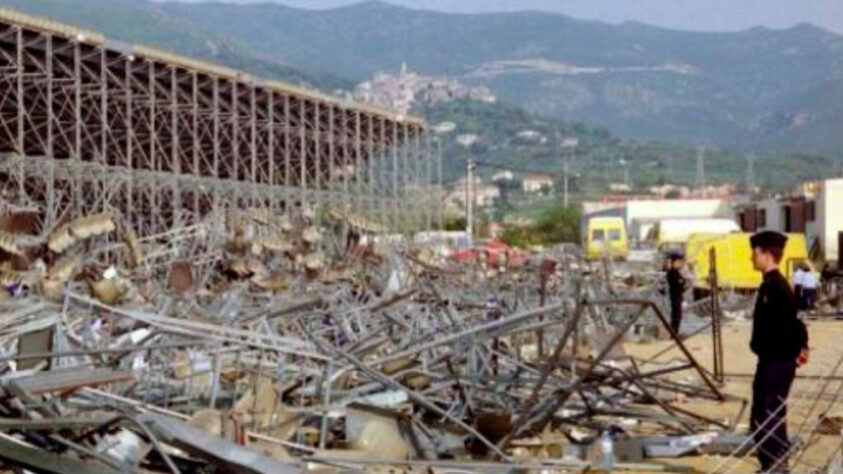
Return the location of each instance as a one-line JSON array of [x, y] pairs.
[[755, 89], [150, 24]]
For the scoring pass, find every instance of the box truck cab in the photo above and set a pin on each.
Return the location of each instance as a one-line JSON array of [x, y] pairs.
[[606, 236], [734, 260]]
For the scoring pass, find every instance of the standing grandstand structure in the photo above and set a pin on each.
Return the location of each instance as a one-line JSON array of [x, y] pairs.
[[89, 124]]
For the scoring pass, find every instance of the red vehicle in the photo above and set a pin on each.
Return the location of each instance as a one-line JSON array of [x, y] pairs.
[[495, 253]]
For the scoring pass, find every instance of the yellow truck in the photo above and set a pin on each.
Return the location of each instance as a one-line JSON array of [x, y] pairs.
[[606, 236], [734, 260]]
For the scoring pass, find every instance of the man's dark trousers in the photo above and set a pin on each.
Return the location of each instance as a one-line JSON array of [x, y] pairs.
[[770, 389], [675, 312]]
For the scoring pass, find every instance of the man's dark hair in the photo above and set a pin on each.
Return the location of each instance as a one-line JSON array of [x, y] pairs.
[[770, 242], [776, 252]]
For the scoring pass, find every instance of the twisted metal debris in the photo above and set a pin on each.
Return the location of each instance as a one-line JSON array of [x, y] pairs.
[[302, 341]]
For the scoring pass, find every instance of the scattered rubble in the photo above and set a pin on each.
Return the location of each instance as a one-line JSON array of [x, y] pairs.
[[302, 346]]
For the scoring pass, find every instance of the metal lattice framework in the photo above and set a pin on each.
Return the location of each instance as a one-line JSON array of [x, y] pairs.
[[89, 124]]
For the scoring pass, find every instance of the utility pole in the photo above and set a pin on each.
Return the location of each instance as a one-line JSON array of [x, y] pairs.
[[625, 166], [565, 191], [750, 172], [469, 201], [571, 144], [439, 187], [701, 167]]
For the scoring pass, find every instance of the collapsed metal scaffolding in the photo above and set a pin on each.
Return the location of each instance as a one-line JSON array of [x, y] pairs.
[[448, 352], [89, 124]]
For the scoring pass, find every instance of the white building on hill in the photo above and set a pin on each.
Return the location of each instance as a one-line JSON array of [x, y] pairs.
[[534, 183]]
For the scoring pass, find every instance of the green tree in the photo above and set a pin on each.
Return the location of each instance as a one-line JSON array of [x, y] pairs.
[[555, 225], [518, 236], [559, 224]]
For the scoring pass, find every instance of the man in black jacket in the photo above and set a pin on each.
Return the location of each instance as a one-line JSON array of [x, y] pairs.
[[780, 341], [676, 285]]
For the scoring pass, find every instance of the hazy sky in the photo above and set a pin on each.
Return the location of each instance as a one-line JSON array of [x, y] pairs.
[[680, 14]]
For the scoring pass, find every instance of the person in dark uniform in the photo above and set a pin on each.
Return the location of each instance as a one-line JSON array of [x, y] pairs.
[[780, 341], [676, 285]]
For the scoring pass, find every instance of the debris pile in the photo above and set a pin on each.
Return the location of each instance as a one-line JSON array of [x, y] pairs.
[[279, 344]]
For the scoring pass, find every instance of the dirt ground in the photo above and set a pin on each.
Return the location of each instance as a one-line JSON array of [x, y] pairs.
[[826, 341]]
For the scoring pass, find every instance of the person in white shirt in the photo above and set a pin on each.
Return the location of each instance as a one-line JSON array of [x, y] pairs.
[[809, 288], [798, 276]]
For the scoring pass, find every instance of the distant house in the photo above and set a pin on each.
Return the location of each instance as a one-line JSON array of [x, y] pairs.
[[666, 190], [503, 176], [444, 127], [467, 139], [528, 135], [484, 194], [534, 183], [620, 187]]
